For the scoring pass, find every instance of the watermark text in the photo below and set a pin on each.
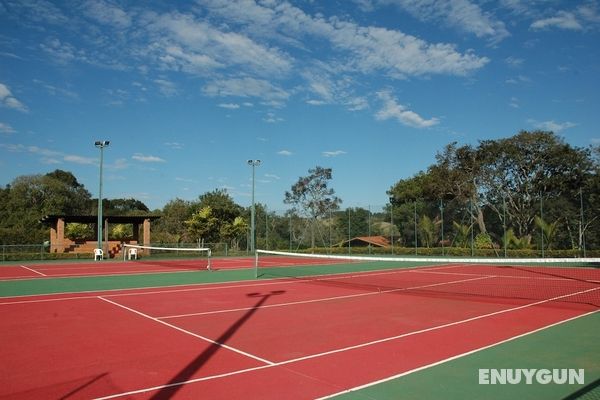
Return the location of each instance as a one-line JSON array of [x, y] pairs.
[[515, 376]]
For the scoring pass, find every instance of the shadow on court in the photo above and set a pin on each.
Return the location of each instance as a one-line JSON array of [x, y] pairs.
[[176, 383], [590, 391], [85, 385]]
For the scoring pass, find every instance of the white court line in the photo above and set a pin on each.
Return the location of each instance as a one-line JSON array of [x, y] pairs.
[[542, 278], [189, 333], [32, 270], [434, 328], [456, 357], [203, 286], [238, 372], [324, 299], [230, 285]]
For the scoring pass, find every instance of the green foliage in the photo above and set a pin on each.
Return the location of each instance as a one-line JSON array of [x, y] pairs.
[[203, 225], [75, 231], [428, 230], [170, 228], [514, 242], [462, 234], [232, 232], [124, 207], [483, 241], [549, 231], [497, 188], [28, 198], [311, 195], [120, 231]]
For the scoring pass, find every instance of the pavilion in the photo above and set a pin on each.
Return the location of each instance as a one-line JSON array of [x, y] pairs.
[[61, 244]]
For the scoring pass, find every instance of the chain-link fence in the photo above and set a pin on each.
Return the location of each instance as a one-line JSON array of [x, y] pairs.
[[534, 227]]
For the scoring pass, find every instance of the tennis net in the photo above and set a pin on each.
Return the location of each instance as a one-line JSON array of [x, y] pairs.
[[566, 280], [198, 256]]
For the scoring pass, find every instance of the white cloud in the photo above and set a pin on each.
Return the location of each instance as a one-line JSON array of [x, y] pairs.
[[357, 48], [459, 14], [329, 88], [107, 14], [514, 102], [49, 156], [147, 158], [562, 20], [333, 153], [183, 41], [80, 160], [583, 17], [61, 53], [120, 163], [356, 103], [229, 106], [513, 62], [271, 118], [518, 79], [174, 145], [6, 128], [272, 176], [50, 161], [392, 110], [166, 87], [187, 180], [284, 153], [553, 126], [245, 87], [9, 101]]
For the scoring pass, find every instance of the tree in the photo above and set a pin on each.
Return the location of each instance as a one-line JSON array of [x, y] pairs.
[[170, 228], [549, 231], [76, 231], [28, 198], [204, 225], [428, 230], [124, 207], [524, 170], [234, 231], [352, 223], [312, 197], [222, 205]]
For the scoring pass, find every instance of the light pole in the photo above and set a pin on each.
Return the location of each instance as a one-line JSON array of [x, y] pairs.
[[253, 164], [101, 144]]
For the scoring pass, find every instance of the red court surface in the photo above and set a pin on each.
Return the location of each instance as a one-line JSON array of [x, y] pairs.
[[91, 268], [292, 339]]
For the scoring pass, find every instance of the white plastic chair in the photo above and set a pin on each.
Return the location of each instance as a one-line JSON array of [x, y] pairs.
[[98, 254], [132, 254]]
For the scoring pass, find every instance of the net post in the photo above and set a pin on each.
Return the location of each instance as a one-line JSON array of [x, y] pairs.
[[256, 264], [124, 252], [208, 267]]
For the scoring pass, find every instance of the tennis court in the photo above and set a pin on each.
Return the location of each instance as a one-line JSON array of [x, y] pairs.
[[336, 328]]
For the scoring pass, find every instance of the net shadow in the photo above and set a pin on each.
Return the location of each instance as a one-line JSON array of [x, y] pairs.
[[588, 392], [175, 384], [82, 387], [478, 291]]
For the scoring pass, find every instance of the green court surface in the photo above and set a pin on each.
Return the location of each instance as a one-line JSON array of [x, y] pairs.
[[578, 342], [29, 287]]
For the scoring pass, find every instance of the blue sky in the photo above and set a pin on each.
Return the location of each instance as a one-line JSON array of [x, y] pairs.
[[187, 91]]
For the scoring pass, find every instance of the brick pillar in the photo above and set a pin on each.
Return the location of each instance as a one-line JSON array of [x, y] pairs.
[[60, 235], [147, 234], [53, 248]]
